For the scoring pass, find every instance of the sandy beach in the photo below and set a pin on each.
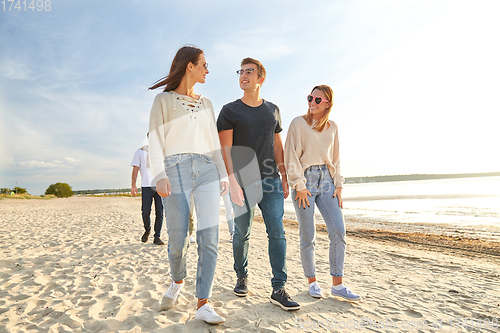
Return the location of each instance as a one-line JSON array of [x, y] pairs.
[[77, 265]]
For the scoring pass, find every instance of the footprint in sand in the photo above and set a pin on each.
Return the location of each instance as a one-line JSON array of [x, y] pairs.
[[125, 287], [86, 301], [179, 317], [413, 313], [111, 308], [20, 297]]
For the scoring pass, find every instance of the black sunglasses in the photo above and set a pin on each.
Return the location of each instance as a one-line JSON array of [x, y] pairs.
[[318, 100]]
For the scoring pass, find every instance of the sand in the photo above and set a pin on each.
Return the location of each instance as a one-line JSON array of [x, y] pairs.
[[77, 265]]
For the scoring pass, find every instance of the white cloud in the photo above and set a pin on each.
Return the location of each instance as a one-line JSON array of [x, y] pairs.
[[14, 69], [251, 44], [70, 160], [40, 164], [6, 162], [33, 164]]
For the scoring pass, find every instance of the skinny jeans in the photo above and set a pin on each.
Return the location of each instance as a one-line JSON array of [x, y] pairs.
[[320, 183]]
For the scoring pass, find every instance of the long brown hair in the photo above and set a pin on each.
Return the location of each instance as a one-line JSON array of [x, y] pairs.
[[183, 57], [320, 126]]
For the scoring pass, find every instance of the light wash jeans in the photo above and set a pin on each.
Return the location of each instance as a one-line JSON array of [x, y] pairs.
[[228, 207], [320, 184], [196, 175], [268, 194]]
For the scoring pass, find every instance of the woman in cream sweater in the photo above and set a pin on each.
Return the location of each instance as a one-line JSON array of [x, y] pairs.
[[313, 167], [185, 159]]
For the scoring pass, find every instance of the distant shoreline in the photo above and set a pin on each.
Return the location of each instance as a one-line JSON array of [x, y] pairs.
[[348, 180], [398, 178]]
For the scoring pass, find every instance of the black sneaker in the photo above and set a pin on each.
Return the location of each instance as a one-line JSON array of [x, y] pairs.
[[144, 237], [241, 288], [158, 241], [281, 298]]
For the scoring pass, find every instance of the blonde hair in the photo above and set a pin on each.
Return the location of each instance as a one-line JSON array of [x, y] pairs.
[[320, 126]]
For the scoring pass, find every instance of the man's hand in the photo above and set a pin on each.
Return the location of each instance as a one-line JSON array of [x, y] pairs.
[[133, 190], [224, 188], [286, 190], [163, 187], [338, 193], [302, 197], [236, 192]]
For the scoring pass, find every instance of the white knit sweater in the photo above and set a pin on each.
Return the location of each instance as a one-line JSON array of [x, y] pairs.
[[305, 146], [181, 124]]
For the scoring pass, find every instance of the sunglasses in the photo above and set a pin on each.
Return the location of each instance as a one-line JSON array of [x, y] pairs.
[[318, 100], [247, 71]]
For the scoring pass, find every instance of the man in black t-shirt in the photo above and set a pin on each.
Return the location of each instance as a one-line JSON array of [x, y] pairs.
[[249, 131]]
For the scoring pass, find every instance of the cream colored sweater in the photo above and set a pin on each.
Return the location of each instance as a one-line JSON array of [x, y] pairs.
[[181, 124], [305, 146]]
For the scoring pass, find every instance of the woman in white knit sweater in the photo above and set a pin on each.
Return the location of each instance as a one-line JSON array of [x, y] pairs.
[[185, 159], [313, 167]]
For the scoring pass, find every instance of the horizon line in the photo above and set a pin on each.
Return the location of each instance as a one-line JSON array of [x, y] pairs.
[[433, 175]]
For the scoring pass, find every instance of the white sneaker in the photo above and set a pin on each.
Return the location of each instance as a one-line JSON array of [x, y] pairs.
[[169, 300], [192, 239], [346, 294], [208, 314], [315, 290]]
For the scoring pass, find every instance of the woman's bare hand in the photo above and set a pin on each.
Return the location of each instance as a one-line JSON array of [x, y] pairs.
[[302, 196], [338, 193], [163, 187]]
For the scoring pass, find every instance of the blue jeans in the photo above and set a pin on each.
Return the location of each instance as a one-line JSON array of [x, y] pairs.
[[319, 182], [196, 175], [268, 194], [147, 196]]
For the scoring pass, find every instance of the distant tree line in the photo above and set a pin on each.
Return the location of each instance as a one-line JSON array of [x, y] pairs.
[[99, 191], [16, 190]]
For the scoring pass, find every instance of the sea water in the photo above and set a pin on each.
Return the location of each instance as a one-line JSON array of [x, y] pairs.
[[459, 201], [460, 206]]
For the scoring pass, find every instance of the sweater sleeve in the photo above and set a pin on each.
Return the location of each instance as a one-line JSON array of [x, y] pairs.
[[293, 151], [217, 153], [157, 139], [338, 180]]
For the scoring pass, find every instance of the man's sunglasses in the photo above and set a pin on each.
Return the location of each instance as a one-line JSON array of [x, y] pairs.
[[318, 100], [247, 71]]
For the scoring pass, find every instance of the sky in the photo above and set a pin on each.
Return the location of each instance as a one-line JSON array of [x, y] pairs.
[[416, 82]]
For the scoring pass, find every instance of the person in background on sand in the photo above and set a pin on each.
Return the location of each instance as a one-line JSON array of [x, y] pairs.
[[148, 194], [185, 159], [249, 130], [228, 208], [313, 167]]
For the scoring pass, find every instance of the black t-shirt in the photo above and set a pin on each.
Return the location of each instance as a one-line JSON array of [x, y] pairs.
[[253, 127]]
